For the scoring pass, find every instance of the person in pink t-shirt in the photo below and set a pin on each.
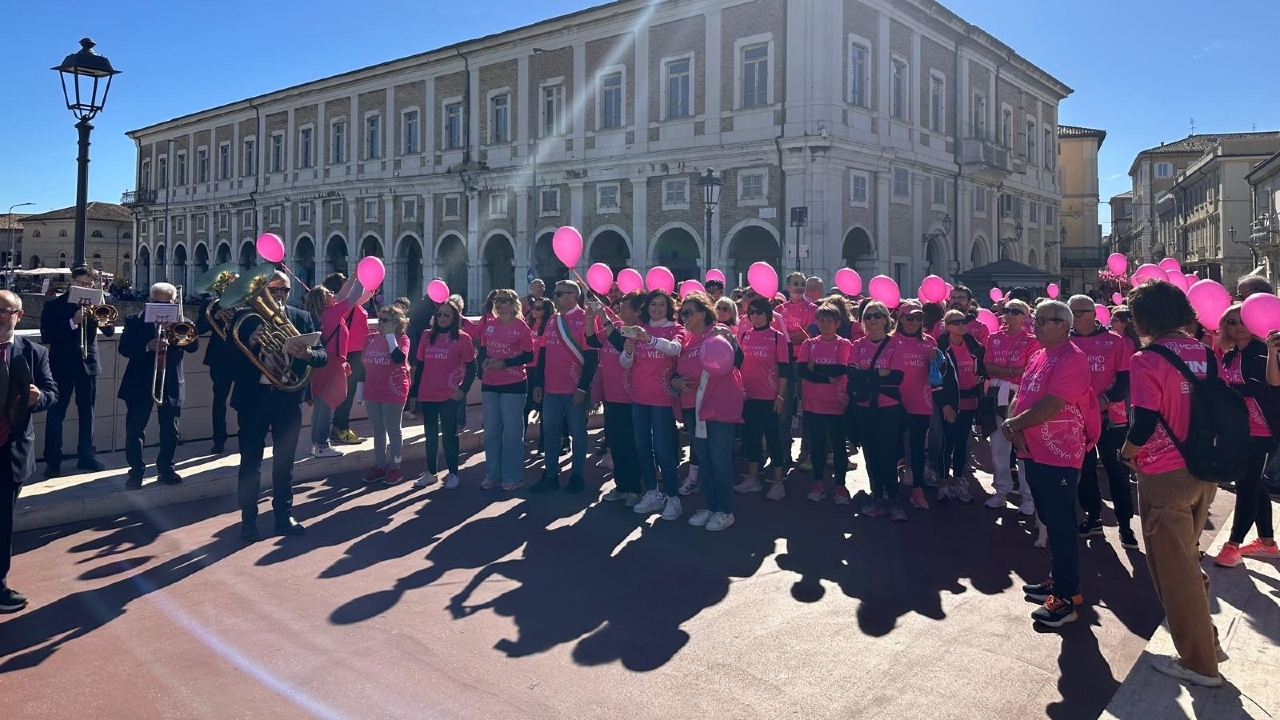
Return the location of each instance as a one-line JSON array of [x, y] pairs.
[[1047, 424], [651, 352], [446, 369], [506, 347], [914, 353], [822, 363], [1173, 505], [383, 392], [766, 374], [875, 375], [351, 309], [328, 383], [1007, 353], [619, 428], [957, 401]]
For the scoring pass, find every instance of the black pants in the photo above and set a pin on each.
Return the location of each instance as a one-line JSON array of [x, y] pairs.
[[1053, 489], [280, 415], [222, 381], [917, 432], [8, 503], [760, 421], [823, 431], [85, 387], [880, 429], [342, 413], [620, 434], [441, 418], [1253, 505], [1117, 477], [137, 415], [955, 445]]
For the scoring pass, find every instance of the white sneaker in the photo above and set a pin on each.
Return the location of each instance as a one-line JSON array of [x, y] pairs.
[[690, 484], [1169, 665], [427, 478], [995, 502], [606, 462], [930, 477], [1027, 507], [720, 521], [614, 495], [652, 502], [777, 492], [961, 493], [700, 518], [749, 484], [451, 481], [325, 451], [631, 500], [672, 510]]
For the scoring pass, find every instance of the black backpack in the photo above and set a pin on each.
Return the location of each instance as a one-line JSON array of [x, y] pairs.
[[1217, 443]]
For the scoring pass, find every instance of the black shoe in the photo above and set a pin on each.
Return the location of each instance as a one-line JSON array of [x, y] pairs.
[[52, 471], [11, 600], [135, 480], [575, 486], [1128, 540], [249, 530], [91, 464], [1055, 612], [544, 485], [1090, 527], [1040, 591], [290, 527], [169, 477], [219, 447]]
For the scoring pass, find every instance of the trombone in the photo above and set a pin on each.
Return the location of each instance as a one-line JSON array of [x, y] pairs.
[[178, 334], [101, 315]]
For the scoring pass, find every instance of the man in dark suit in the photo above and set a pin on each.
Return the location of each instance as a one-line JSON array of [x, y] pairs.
[[262, 407], [26, 387], [139, 343], [65, 329], [216, 359]]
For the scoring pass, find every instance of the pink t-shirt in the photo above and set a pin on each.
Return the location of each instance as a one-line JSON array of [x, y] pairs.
[[864, 349], [722, 399], [1062, 372], [444, 365], [651, 371], [359, 325], [799, 315], [334, 315], [616, 379], [385, 380], [1155, 384], [762, 350], [563, 370], [503, 342], [912, 358], [1233, 375], [825, 398], [966, 374], [1109, 354], [1008, 350]]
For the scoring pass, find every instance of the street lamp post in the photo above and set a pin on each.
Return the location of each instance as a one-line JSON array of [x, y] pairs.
[[12, 232], [710, 185], [83, 71]]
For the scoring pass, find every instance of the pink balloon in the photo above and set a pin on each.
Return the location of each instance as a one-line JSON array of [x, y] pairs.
[[1192, 279], [660, 278], [1053, 291], [1102, 314], [1177, 279], [370, 272], [600, 278], [763, 278], [995, 294], [1117, 263], [1171, 265], [988, 318], [438, 290], [714, 274], [1260, 313], [1210, 299], [270, 247], [1117, 298], [933, 289], [717, 356], [567, 244], [848, 281], [1148, 272], [689, 286], [885, 289], [629, 280]]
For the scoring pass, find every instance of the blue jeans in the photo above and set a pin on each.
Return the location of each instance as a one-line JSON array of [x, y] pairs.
[[715, 452], [656, 437], [1054, 490], [503, 436], [321, 418], [557, 411]]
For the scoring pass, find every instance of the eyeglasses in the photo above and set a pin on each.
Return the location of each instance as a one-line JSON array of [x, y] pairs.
[[443, 316], [914, 317], [755, 311], [1232, 322], [1042, 321], [874, 316], [687, 313], [502, 301], [6, 312], [278, 290], [1082, 313], [1012, 311]]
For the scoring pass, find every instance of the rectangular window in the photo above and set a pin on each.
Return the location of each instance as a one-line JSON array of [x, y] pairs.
[[182, 169], [1033, 212], [339, 142], [550, 201], [373, 137], [145, 181], [224, 161], [611, 101], [751, 187], [939, 191], [858, 182], [250, 158], [224, 220], [980, 200], [273, 216], [180, 225], [1050, 216], [200, 223], [304, 147], [162, 173], [202, 165], [246, 220], [755, 76], [304, 214], [553, 110], [1048, 149], [1006, 128], [411, 144], [858, 75], [899, 89], [679, 82], [336, 211], [277, 153], [370, 210], [1164, 170], [937, 94], [675, 193], [498, 205], [453, 126], [979, 120], [607, 197], [1031, 142], [452, 206], [901, 183], [409, 210], [499, 119], [160, 227]]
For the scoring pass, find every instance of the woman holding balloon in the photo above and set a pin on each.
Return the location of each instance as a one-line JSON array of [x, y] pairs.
[[650, 353], [446, 369]]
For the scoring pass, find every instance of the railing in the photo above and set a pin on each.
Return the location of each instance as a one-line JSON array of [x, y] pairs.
[[138, 197], [974, 151]]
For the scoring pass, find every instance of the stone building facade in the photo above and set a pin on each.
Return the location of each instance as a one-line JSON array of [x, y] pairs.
[[48, 239]]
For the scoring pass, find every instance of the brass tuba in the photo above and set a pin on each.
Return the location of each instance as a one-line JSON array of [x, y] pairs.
[[216, 280], [270, 358]]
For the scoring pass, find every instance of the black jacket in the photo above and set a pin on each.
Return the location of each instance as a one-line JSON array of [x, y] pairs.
[[249, 393], [63, 340], [30, 366], [136, 386], [215, 354]]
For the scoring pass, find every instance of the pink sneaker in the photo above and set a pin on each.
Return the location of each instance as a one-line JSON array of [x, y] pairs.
[[1260, 550], [1229, 556], [917, 499]]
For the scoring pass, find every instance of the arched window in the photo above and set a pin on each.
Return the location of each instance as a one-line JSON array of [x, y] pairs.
[[127, 235], [62, 233], [35, 233], [96, 233], [62, 260]]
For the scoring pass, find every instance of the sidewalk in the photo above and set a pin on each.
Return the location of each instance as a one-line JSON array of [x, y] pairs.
[[1246, 608]]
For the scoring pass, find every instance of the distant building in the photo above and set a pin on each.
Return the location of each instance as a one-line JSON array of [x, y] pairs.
[[1121, 222], [1080, 236], [1264, 232], [49, 238], [11, 238]]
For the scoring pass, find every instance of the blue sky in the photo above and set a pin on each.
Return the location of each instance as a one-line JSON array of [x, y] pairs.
[[1141, 69]]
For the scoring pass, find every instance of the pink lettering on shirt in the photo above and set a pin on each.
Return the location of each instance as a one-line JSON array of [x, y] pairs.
[[385, 380], [966, 374], [912, 358], [1155, 384], [762, 351], [616, 379], [1232, 374], [444, 365], [563, 370], [651, 371], [722, 399], [825, 398], [1062, 372], [1013, 350], [864, 350], [503, 342]]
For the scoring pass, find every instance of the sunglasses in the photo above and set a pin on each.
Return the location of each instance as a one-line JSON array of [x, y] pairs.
[[1082, 313], [1042, 321], [914, 317], [1012, 311], [502, 301], [443, 316], [755, 311], [955, 322], [874, 316], [278, 290], [688, 313]]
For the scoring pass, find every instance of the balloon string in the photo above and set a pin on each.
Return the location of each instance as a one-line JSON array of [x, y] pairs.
[[284, 267], [604, 301]]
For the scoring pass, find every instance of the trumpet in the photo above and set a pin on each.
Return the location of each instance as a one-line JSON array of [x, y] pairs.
[[101, 315], [178, 334]]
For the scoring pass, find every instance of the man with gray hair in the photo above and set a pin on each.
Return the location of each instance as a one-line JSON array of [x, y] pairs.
[[1253, 285], [1047, 424]]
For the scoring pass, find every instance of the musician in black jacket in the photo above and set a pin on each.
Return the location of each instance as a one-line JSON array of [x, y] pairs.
[[139, 343], [216, 358], [64, 329], [263, 408], [26, 387]]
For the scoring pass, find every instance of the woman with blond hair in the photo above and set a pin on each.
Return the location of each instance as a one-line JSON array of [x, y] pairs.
[[506, 348]]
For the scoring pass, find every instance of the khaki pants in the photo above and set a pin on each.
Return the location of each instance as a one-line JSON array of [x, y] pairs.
[[1173, 507]]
